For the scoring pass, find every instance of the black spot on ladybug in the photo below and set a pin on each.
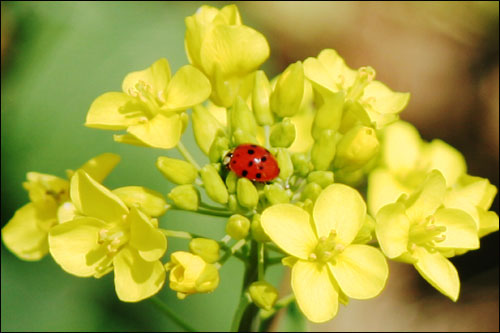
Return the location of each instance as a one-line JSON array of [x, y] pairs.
[[261, 168], [263, 159], [258, 175], [250, 163], [234, 161], [244, 173], [251, 151]]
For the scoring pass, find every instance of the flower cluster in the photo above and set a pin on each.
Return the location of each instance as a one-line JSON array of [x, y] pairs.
[[335, 134]]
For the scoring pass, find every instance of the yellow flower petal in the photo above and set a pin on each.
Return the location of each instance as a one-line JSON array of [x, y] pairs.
[[100, 166], [393, 229], [66, 212], [115, 111], [340, 208], [329, 70], [135, 278], [461, 231], [488, 222], [429, 198], [446, 159], [383, 189], [380, 99], [94, 200], [401, 147], [438, 271], [74, 245], [361, 271], [129, 139], [239, 50], [187, 268], [150, 243], [160, 132], [290, 228], [156, 77], [188, 87], [314, 291], [196, 29], [150, 202], [23, 236]]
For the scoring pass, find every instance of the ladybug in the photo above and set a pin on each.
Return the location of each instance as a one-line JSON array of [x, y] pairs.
[[253, 162]]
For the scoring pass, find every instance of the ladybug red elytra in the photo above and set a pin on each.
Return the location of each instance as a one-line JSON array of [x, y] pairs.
[[253, 162]]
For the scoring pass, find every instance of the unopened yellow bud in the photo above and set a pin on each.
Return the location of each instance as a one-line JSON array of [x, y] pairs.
[[323, 150], [260, 99], [275, 194], [231, 180], [322, 178], [247, 193], [283, 134], [205, 127], [242, 117], [150, 202], [241, 137], [206, 248], [214, 185], [301, 164], [263, 294], [238, 226], [311, 191], [329, 115], [356, 148], [285, 163], [287, 95], [185, 197], [219, 146], [258, 232], [177, 171]]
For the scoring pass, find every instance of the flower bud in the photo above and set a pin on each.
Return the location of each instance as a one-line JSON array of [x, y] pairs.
[[260, 99], [287, 95], [285, 163], [275, 194], [184, 121], [301, 164], [190, 274], [238, 226], [177, 171], [247, 193], [329, 115], [241, 137], [263, 294], [206, 248], [311, 191], [214, 186], [323, 150], [231, 180], [205, 127], [356, 148], [150, 202], [258, 232], [219, 146], [241, 117], [185, 197], [232, 203], [322, 178], [283, 134]]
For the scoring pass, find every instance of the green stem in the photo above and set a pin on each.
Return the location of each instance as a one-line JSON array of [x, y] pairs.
[[204, 212], [207, 206], [240, 310], [260, 269], [274, 261], [187, 156], [166, 310], [231, 251]]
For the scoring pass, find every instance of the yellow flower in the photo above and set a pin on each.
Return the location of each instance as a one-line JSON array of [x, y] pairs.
[[421, 231], [224, 49], [329, 74], [405, 162], [105, 235], [325, 264], [151, 105], [190, 274], [27, 232]]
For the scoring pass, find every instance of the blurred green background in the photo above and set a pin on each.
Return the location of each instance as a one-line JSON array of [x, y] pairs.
[[57, 57]]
